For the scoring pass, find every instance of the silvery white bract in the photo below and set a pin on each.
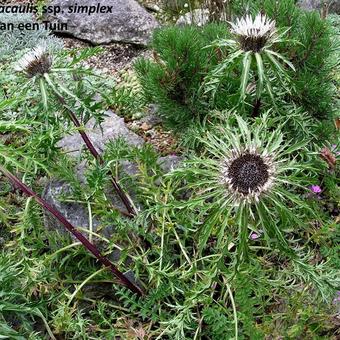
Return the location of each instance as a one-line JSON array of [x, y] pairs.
[[260, 26], [253, 33], [36, 62]]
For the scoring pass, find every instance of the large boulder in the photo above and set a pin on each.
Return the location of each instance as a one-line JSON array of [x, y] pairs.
[[126, 21], [310, 5]]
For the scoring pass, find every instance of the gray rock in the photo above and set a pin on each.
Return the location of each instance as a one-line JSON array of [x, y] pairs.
[[112, 128], [152, 118], [129, 168], [57, 193], [169, 163], [333, 5], [166, 163], [129, 22], [198, 17]]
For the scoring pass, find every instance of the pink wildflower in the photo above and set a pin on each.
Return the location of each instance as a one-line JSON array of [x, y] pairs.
[[254, 236], [316, 189]]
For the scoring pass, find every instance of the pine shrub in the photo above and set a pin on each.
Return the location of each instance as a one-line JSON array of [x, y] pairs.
[[313, 58], [175, 76], [184, 58]]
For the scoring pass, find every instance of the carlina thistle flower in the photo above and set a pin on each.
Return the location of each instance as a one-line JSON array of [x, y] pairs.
[[246, 179], [38, 64], [247, 174], [35, 63], [244, 176], [253, 34]]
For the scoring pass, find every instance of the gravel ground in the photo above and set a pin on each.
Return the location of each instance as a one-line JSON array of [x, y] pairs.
[[114, 57], [112, 60], [162, 140]]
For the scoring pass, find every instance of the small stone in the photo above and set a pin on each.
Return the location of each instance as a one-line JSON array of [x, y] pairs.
[[310, 5], [145, 127], [151, 134], [170, 162], [152, 7], [137, 115], [112, 128], [152, 118], [198, 17]]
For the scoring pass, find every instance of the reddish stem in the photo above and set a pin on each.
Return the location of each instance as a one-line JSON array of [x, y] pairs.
[[123, 196], [87, 244]]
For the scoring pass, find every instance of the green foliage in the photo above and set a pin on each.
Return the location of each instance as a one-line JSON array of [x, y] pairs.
[[315, 60], [223, 206], [187, 80], [127, 97], [175, 76], [191, 246], [18, 314], [260, 65], [187, 292]]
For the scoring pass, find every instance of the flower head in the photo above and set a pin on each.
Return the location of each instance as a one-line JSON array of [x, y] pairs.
[[254, 236], [37, 62], [253, 34], [247, 174], [246, 165], [316, 189]]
